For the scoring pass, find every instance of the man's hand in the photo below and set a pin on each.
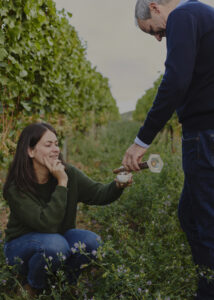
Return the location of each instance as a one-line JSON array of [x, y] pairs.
[[133, 157], [57, 169]]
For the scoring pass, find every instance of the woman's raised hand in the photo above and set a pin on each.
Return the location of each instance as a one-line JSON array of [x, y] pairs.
[[57, 169]]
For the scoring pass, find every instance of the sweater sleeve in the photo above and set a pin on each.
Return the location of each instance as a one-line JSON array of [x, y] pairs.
[[95, 193], [29, 211], [181, 37]]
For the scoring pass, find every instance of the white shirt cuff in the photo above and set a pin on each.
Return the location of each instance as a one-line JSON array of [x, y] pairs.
[[140, 143]]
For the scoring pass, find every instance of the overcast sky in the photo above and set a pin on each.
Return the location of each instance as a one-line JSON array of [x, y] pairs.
[[130, 59]]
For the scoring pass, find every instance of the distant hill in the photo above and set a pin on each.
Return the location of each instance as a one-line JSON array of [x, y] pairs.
[[127, 115]]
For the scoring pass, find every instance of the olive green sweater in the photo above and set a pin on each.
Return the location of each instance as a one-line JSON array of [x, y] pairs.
[[54, 210]]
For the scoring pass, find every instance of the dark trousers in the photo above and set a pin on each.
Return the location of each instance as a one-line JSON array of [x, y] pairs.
[[196, 207]]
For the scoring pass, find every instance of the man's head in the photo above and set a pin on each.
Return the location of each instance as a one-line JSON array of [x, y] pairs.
[[151, 16]]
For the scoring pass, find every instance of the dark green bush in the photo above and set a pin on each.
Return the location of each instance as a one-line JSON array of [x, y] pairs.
[[44, 73]]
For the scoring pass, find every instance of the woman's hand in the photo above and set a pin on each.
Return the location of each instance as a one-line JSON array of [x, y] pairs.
[[122, 185], [57, 169]]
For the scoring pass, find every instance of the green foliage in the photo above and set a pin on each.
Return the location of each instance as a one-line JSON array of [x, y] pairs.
[[145, 254], [43, 64], [8, 279], [145, 102], [44, 71]]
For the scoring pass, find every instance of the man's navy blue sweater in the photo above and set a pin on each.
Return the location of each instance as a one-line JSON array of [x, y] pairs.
[[188, 81]]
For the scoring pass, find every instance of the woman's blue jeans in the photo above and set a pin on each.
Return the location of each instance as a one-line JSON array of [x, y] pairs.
[[32, 251], [196, 207]]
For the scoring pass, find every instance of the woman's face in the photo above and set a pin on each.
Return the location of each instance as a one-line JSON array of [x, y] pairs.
[[47, 147]]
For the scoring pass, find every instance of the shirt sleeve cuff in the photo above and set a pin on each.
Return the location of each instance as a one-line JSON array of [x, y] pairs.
[[140, 143]]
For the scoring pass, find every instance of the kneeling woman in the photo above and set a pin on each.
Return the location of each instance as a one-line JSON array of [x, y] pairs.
[[43, 193]]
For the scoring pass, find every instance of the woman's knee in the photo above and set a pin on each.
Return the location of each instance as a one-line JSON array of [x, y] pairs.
[[56, 246], [87, 239]]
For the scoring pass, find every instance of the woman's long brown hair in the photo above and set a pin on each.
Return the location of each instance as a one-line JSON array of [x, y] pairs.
[[21, 171]]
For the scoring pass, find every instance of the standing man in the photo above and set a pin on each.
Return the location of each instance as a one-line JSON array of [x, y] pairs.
[[188, 88]]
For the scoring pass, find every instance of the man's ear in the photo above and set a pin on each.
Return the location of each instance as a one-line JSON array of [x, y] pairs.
[[154, 7], [30, 152]]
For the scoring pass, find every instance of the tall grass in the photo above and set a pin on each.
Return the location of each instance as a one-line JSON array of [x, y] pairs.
[[145, 254], [142, 227]]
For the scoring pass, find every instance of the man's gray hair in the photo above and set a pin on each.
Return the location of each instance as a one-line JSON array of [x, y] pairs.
[[142, 11]]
